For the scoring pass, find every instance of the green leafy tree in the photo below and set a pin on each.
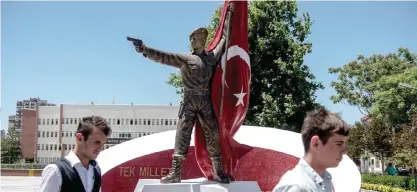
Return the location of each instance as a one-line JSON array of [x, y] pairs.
[[371, 84], [356, 142], [282, 87], [378, 139], [10, 148], [405, 144]]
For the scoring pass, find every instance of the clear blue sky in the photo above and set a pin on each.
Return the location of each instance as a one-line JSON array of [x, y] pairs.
[[76, 52]]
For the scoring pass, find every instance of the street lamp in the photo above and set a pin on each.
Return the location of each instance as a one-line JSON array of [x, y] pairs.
[[405, 85]]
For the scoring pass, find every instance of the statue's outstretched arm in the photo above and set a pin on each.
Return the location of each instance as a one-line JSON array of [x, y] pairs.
[[171, 59]]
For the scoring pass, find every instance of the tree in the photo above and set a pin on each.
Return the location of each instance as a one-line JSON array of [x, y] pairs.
[[371, 84], [282, 87], [379, 139], [405, 144], [10, 148], [356, 141]]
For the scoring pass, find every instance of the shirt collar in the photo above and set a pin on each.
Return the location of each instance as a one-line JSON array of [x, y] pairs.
[[72, 158], [312, 173]]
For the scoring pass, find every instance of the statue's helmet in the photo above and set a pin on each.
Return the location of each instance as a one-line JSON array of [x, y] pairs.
[[201, 31]]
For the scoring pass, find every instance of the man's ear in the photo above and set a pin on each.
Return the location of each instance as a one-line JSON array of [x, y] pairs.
[[315, 142], [79, 137]]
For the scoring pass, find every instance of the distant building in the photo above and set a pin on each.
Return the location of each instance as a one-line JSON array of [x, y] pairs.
[[3, 134], [48, 132], [32, 103], [11, 123]]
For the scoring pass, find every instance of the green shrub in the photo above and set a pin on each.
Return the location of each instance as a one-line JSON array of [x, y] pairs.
[[381, 188], [23, 166], [400, 182]]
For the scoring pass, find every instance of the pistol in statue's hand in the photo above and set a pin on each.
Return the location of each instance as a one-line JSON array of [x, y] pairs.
[[139, 46]]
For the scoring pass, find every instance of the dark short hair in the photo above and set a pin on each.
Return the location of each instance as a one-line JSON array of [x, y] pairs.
[[324, 124], [87, 124]]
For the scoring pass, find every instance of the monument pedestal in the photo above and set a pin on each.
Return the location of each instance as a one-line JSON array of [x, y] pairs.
[[197, 185]]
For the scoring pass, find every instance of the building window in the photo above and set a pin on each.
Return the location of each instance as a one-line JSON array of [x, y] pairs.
[[56, 121], [131, 121], [39, 147], [118, 121], [56, 134], [166, 121], [136, 121]]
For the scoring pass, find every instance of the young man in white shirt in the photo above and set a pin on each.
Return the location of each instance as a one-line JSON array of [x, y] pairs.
[[324, 136], [78, 171]]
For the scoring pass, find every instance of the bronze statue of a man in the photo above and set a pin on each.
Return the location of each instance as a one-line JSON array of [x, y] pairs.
[[197, 70]]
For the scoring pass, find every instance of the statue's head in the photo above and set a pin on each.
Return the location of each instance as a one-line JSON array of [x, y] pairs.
[[198, 38]]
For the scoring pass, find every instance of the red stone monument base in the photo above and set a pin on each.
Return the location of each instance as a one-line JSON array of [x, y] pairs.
[[262, 165]]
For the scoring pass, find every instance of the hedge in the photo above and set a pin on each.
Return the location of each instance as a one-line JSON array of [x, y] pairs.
[[23, 166], [381, 188], [400, 182]]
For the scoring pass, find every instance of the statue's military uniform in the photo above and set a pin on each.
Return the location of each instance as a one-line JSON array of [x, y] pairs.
[[197, 71]]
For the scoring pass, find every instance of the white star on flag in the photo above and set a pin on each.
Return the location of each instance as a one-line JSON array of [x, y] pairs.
[[240, 97]]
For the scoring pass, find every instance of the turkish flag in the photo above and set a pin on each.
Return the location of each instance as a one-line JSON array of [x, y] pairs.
[[236, 91]]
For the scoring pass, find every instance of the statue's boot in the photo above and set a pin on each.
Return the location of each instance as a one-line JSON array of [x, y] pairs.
[[174, 176], [219, 175]]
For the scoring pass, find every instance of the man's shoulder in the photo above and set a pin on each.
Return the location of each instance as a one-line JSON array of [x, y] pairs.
[[293, 179], [51, 166], [296, 172]]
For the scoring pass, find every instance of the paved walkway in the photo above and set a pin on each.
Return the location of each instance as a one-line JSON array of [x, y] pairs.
[[19, 184], [31, 184]]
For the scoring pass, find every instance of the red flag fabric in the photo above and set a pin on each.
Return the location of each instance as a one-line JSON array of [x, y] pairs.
[[236, 90]]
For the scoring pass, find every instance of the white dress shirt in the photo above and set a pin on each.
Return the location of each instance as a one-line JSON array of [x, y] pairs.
[[303, 178], [51, 180]]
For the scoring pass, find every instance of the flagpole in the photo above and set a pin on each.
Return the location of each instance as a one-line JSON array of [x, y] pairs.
[[229, 16]]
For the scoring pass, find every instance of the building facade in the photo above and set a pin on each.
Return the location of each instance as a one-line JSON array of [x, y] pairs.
[[32, 103], [49, 131], [11, 122]]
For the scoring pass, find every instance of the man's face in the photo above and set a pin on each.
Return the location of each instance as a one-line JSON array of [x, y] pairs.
[[330, 154], [91, 147], [197, 41]]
